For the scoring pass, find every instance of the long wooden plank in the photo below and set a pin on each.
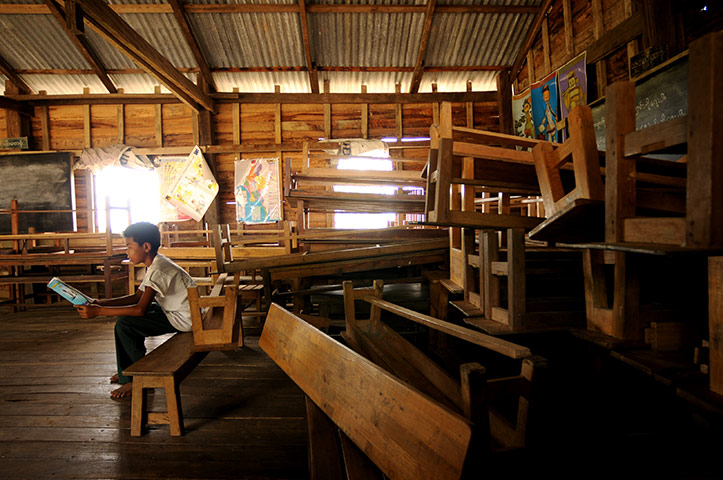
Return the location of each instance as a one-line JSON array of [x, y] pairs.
[[504, 347], [404, 433]]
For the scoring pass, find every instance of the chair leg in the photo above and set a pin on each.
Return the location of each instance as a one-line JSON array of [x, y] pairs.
[[139, 406]]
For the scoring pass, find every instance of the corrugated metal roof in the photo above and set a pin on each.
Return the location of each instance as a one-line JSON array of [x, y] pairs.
[[37, 42], [248, 40]]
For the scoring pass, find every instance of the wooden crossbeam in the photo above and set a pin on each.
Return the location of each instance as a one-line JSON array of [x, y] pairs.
[[424, 41], [406, 434], [114, 29], [313, 76], [180, 14], [81, 44]]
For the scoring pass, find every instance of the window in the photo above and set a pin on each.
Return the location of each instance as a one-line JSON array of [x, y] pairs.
[[133, 194], [364, 220]]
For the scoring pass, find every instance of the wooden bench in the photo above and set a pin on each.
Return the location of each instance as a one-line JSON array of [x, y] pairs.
[[164, 367]]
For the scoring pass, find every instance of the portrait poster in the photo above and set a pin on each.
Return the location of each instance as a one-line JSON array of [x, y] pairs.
[[195, 188], [572, 79], [168, 173], [545, 112], [524, 126], [256, 188]]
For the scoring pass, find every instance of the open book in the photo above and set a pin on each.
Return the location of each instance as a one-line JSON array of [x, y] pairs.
[[71, 294]]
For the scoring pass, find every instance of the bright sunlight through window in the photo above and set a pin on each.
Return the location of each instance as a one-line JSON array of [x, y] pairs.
[[364, 220], [134, 197]]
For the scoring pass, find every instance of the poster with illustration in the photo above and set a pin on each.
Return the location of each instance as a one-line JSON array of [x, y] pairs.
[[195, 188], [545, 112], [524, 125], [256, 187], [168, 173], [572, 80]]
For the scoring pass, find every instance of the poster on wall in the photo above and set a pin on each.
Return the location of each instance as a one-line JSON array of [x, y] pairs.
[[195, 188], [572, 79], [545, 112], [168, 174], [256, 188], [524, 125]]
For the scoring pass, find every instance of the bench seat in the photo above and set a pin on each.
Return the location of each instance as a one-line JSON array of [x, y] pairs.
[[164, 367]]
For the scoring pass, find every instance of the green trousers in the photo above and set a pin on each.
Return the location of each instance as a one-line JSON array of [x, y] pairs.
[[131, 333]]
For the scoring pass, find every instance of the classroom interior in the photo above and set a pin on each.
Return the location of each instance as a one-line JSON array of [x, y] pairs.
[[407, 267]]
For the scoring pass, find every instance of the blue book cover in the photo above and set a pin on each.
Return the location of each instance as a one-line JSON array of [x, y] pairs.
[[71, 294]]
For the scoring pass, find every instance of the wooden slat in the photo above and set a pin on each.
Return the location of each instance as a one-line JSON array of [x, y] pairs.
[[508, 349], [656, 138], [404, 433]]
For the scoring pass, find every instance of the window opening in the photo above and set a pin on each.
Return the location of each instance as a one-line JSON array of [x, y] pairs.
[[133, 196]]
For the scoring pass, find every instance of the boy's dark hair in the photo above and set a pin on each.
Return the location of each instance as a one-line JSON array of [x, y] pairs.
[[143, 232]]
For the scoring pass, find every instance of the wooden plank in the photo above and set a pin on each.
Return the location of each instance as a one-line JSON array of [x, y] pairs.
[[506, 348], [667, 230], [656, 138], [545, 46], [606, 44], [569, 37], [405, 434]]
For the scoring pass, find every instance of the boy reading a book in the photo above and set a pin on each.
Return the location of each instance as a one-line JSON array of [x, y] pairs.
[[160, 305]]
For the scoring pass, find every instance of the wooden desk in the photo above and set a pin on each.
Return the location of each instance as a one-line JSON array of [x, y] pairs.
[[113, 269]]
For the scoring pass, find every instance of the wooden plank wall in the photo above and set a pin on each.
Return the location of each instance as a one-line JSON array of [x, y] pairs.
[[74, 127]]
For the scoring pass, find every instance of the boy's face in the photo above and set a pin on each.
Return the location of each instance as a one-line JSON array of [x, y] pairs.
[[137, 253]]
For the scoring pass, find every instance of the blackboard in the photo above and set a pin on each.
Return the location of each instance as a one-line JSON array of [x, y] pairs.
[[659, 97], [42, 181]]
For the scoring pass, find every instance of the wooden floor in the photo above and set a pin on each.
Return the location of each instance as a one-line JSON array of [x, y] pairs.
[[244, 418]]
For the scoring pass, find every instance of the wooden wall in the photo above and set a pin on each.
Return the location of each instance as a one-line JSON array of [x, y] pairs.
[[252, 128]]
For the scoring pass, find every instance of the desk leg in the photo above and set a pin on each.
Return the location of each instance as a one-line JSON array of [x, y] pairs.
[[108, 279]]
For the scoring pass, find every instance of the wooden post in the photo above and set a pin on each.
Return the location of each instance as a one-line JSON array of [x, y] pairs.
[[327, 113], [704, 204], [569, 37], [504, 101], [546, 46], [715, 312], [516, 290], [364, 115], [236, 120], [277, 118], [44, 124], [598, 30], [399, 126], [159, 120]]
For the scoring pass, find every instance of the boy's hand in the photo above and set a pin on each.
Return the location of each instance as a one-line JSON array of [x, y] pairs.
[[88, 311]]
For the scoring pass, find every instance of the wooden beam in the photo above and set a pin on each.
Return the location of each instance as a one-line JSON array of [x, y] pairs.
[[546, 46], [7, 70], [422, 51], [364, 115], [111, 26], [313, 76], [598, 30], [29, 9], [504, 102], [715, 322], [406, 434], [187, 31], [569, 36], [306, 98], [530, 38], [626, 31], [14, 105], [81, 44]]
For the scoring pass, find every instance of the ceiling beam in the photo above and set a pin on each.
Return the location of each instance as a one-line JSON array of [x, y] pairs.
[[283, 98], [31, 9], [82, 45], [182, 19], [126, 71], [7, 70], [531, 34], [111, 26], [419, 65], [313, 77], [10, 104]]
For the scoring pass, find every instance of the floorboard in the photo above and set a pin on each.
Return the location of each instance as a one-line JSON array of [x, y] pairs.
[[244, 418]]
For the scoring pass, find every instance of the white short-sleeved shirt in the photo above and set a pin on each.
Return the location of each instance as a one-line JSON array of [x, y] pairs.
[[170, 283]]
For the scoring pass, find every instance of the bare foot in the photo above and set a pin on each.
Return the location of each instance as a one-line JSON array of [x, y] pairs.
[[124, 391], [114, 378]]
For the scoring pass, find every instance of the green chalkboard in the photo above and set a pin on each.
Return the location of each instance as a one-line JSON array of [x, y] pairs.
[[659, 97], [41, 181]]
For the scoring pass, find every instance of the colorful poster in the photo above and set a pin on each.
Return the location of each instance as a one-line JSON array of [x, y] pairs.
[[524, 125], [572, 79], [258, 199], [195, 188], [168, 174], [544, 108]]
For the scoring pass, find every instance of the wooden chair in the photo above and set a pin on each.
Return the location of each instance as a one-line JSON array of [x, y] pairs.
[[216, 328]]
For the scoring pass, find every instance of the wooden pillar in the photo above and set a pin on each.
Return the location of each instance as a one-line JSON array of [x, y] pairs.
[[364, 115], [598, 30], [569, 36], [504, 101], [121, 121], [516, 289], [236, 120], [159, 120], [44, 112], [715, 313], [17, 125]]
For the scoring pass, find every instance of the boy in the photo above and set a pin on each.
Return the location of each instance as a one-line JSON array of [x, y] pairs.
[[160, 305]]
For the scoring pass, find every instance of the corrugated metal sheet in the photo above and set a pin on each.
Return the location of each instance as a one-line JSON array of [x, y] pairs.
[[249, 39], [37, 42], [263, 82]]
